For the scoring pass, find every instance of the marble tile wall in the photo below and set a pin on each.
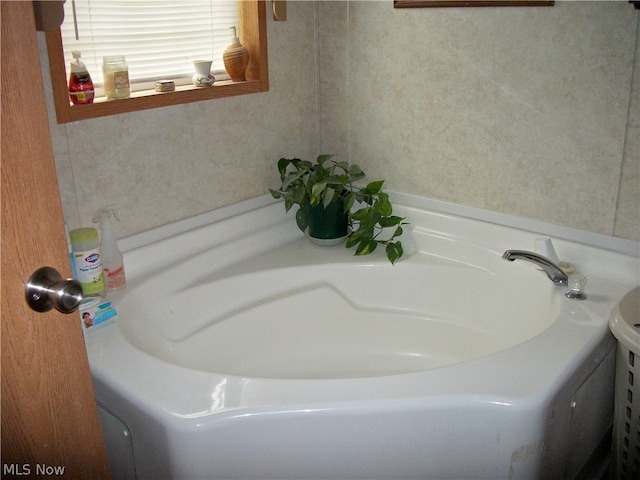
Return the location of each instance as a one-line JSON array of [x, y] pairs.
[[517, 110], [522, 111], [627, 221]]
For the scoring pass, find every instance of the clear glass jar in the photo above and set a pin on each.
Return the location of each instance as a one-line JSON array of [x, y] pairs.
[[116, 77]]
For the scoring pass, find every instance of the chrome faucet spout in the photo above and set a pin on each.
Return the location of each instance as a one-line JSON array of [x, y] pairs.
[[554, 272]]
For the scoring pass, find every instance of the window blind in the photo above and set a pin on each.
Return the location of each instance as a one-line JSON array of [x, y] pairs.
[[159, 38]]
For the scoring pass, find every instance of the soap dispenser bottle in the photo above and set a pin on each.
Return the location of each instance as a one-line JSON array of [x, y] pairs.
[[80, 84], [236, 59], [112, 258]]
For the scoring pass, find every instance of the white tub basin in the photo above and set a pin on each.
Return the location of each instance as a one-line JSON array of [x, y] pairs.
[[319, 319], [241, 350]]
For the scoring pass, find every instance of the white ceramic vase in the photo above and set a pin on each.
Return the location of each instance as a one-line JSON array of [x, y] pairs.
[[202, 77]]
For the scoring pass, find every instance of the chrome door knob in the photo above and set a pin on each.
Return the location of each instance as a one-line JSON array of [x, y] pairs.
[[46, 289]]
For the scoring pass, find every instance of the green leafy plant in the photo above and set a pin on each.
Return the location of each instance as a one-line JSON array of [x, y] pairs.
[[326, 181]]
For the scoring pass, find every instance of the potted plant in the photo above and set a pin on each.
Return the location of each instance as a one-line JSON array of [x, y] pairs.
[[325, 191]]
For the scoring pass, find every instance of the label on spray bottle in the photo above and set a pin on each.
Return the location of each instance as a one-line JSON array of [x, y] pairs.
[[89, 272], [116, 279]]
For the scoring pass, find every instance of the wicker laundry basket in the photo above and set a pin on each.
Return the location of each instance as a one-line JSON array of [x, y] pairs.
[[625, 325]]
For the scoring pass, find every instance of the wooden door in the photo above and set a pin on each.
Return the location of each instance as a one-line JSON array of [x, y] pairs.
[[48, 410]]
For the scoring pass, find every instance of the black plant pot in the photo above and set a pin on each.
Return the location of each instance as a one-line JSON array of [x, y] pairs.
[[330, 223]]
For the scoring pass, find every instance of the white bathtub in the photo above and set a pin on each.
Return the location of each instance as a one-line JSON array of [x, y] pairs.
[[241, 350]]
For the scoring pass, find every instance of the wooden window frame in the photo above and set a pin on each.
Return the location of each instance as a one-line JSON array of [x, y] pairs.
[[253, 33]]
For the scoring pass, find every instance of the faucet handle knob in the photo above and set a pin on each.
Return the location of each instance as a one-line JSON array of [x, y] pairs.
[[577, 282]]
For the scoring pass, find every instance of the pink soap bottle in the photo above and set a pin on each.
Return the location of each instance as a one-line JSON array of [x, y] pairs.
[[80, 84]]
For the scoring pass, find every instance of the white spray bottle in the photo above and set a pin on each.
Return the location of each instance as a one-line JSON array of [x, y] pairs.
[[112, 259]]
